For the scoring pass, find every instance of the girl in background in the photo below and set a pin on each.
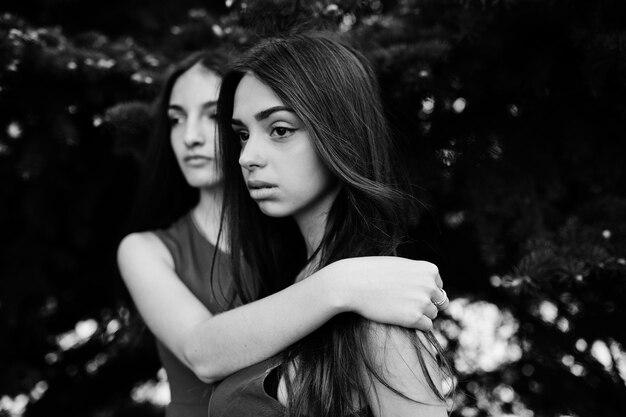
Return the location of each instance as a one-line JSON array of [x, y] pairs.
[[179, 274], [308, 181]]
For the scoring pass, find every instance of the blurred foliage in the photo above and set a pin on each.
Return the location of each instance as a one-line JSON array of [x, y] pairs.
[[510, 115]]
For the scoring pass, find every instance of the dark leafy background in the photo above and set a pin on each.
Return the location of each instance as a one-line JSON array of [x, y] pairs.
[[510, 115]]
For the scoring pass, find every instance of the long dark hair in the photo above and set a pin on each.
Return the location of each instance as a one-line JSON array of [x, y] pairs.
[[333, 90], [163, 193]]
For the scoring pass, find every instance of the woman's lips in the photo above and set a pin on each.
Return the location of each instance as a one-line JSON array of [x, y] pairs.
[[197, 160], [261, 190]]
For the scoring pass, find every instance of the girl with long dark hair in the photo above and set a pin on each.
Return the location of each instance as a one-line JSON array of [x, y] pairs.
[[168, 263], [309, 180]]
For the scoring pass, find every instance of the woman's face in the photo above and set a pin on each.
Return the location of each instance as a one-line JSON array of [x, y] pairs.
[[282, 170], [193, 132]]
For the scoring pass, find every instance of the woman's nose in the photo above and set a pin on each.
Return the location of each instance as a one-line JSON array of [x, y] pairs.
[[252, 153], [193, 134]]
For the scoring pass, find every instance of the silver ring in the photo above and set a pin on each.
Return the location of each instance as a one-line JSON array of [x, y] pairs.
[[443, 300]]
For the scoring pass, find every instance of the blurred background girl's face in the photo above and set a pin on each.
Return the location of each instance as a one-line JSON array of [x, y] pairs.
[[192, 107], [282, 170]]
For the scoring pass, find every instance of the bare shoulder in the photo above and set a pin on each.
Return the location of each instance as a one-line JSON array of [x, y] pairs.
[[408, 362], [140, 248]]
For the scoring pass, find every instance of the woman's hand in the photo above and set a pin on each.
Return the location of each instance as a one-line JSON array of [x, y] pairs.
[[390, 290]]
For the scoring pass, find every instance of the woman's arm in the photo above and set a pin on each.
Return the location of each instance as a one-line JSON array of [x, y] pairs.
[[394, 355], [386, 289]]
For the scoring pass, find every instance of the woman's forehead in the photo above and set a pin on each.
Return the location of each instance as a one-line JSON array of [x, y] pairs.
[[252, 97], [196, 84]]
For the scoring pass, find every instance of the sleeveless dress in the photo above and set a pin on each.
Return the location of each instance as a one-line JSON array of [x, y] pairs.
[[193, 259], [250, 392]]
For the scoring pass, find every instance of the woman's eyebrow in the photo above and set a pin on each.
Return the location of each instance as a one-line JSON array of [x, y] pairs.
[[264, 114], [205, 105]]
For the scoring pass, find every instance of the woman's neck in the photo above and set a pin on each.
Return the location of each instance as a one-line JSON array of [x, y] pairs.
[[208, 212], [312, 229], [312, 222]]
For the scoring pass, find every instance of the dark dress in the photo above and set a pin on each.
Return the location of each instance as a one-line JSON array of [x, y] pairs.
[[193, 259], [250, 392]]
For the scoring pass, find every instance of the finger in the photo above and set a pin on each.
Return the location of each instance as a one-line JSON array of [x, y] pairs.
[[440, 299], [439, 281], [444, 305], [431, 311], [424, 324]]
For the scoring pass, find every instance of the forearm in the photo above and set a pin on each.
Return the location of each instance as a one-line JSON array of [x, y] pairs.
[[230, 341], [214, 346]]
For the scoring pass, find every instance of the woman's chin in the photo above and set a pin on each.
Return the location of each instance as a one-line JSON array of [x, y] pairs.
[[204, 181], [273, 209]]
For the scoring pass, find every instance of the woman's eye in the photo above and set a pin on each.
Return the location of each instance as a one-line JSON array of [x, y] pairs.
[[174, 120], [282, 131], [242, 135]]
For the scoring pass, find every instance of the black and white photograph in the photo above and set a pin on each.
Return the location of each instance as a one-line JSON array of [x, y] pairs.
[[313, 208]]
